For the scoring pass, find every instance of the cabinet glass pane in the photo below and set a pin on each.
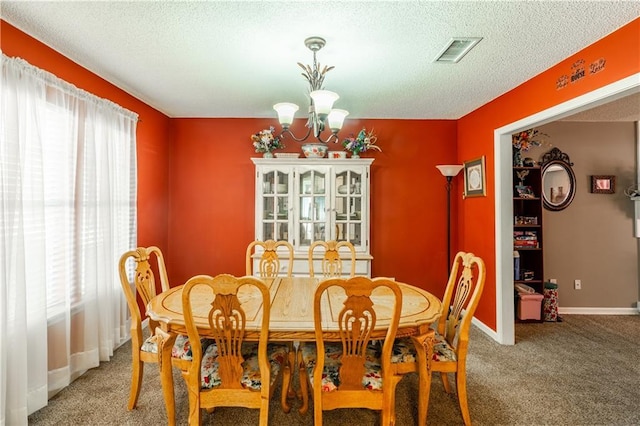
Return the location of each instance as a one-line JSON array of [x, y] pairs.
[[282, 183], [267, 231], [318, 230], [267, 182], [306, 233], [354, 234], [283, 231], [319, 209], [318, 183], [268, 208], [283, 207], [306, 208]]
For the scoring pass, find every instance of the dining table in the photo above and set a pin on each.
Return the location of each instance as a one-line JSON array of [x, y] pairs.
[[291, 319]]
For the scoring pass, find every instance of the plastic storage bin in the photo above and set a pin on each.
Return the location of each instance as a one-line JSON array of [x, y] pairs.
[[529, 306]]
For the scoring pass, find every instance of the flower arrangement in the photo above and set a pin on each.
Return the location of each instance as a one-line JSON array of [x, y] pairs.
[[361, 143], [524, 140], [264, 141]]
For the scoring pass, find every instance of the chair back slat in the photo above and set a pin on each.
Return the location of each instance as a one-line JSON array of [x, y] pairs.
[[461, 298], [331, 262], [270, 260]]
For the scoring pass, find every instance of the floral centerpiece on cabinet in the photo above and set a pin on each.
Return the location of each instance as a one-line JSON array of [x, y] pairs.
[[361, 143], [523, 141], [265, 142]]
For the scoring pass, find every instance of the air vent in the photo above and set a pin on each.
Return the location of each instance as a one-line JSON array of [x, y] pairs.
[[456, 49]]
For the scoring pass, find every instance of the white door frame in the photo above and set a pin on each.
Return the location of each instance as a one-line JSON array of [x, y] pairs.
[[505, 329]]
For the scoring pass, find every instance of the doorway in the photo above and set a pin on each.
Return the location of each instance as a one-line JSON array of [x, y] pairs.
[[505, 324]]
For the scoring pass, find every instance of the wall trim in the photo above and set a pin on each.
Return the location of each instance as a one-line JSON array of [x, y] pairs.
[[484, 328], [597, 311]]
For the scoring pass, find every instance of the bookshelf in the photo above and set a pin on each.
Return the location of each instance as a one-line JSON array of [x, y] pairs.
[[527, 228]]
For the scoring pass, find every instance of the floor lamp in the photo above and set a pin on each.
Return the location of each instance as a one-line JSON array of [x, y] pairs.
[[449, 171]]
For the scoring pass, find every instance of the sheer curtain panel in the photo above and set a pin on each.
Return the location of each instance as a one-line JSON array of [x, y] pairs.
[[67, 213]]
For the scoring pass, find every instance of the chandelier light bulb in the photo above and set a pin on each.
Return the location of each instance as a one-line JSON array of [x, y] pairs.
[[323, 101], [336, 119], [286, 111]]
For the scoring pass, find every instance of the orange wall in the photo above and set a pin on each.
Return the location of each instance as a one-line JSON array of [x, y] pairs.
[[621, 50], [212, 196]]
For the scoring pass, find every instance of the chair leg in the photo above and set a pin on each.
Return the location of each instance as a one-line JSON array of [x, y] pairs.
[[461, 388], [304, 385], [445, 382], [165, 344], [193, 389], [264, 411], [137, 369], [424, 349], [292, 362], [287, 381], [388, 413]]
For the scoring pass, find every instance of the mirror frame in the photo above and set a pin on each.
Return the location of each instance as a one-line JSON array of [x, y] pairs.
[[555, 157]]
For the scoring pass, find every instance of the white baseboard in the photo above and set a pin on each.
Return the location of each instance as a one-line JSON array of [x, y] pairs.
[[485, 329], [598, 311]]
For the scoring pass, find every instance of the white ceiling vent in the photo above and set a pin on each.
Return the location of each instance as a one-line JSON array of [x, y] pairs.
[[456, 49]]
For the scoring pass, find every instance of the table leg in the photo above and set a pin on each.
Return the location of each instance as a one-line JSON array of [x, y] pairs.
[[424, 349]]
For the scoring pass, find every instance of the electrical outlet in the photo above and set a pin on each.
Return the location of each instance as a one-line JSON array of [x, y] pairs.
[[577, 284]]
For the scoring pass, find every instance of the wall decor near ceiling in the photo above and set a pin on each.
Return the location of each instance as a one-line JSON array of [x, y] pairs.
[[603, 184]]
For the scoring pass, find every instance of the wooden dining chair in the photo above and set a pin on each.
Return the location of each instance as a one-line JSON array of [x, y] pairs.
[[137, 277], [354, 372], [269, 265], [232, 372], [331, 261], [449, 351]]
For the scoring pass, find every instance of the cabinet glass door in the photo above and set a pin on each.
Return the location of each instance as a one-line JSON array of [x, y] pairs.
[[313, 209], [275, 205], [348, 207]]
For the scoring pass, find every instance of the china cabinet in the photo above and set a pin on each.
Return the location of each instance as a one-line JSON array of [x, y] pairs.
[[302, 200]]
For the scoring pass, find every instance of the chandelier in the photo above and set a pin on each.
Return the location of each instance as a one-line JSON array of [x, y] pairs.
[[321, 110]]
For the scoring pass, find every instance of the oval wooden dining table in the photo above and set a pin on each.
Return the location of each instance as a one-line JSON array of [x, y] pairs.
[[291, 319]]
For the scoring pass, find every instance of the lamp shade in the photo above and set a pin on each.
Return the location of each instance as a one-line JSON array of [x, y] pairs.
[[449, 169], [336, 119], [286, 111], [323, 101]]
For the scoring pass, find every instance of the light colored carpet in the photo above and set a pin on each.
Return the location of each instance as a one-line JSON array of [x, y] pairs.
[[583, 371]]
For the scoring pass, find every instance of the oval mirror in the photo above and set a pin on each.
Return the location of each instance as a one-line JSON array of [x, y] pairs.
[[558, 180]]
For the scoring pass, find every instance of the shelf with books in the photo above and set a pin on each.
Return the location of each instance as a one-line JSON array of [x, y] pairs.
[[528, 244]]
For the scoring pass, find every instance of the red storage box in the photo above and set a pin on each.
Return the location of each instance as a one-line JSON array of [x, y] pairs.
[[529, 306]]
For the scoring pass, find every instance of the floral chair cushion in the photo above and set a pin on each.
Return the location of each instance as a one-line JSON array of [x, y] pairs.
[[181, 348], [372, 378], [405, 351], [276, 352]]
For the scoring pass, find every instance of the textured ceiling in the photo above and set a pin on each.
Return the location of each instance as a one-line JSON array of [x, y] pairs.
[[236, 59]]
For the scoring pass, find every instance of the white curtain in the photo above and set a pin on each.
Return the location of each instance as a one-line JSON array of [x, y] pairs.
[[67, 213]]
